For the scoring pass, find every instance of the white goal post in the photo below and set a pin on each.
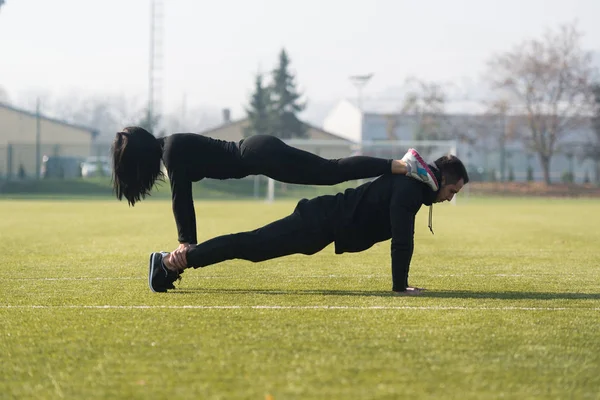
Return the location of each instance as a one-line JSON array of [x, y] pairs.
[[334, 149]]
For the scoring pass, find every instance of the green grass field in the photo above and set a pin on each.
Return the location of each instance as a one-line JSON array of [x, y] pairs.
[[512, 310]]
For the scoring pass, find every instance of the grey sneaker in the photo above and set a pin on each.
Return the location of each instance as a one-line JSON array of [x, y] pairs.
[[160, 278], [418, 169]]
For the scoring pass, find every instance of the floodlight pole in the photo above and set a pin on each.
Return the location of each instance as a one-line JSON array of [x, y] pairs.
[[360, 81]]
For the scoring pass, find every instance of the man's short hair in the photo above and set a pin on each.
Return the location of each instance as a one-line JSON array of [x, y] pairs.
[[452, 169]]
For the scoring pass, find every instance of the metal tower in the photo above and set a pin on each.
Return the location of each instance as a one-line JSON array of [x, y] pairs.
[[155, 89]]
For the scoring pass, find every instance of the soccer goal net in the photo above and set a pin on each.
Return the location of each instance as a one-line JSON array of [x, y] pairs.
[[334, 149]]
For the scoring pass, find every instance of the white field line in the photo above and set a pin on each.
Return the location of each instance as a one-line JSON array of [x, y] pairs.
[[83, 278], [371, 276], [316, 307]]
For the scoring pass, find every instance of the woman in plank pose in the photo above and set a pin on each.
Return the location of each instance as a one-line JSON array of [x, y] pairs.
[[190, 157]]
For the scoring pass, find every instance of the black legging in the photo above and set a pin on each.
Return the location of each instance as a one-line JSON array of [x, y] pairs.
[[305, 231], [270, 156], [198, 157]]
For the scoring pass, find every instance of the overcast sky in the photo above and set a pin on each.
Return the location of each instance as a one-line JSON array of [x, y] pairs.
[[212, 49]]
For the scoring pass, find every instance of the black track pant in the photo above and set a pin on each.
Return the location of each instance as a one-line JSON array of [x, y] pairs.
[[270, 156], [305, 231]]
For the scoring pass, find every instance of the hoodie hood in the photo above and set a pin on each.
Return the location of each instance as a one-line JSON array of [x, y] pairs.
[[430, 195]]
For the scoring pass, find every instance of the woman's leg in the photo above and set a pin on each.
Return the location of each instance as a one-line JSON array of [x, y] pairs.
[[270, 156], [294, 234]]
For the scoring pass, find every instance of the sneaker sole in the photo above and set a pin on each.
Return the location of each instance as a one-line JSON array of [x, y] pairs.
[[424, 164], [150, 271]]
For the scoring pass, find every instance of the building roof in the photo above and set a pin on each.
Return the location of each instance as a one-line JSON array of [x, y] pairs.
[[390, 106], [241, 121], [332, 135], [93, 131], [222, 125]]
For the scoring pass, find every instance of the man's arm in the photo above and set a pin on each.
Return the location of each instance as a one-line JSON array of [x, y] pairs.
[[405, 201], [183, 207]]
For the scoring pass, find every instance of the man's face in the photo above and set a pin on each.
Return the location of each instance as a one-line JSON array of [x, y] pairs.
[[447, 192]]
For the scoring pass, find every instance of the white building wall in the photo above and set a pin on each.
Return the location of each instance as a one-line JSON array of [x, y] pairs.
[[345, 120], [375, 127]]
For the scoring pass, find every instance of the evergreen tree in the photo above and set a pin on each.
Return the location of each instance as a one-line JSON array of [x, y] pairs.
[[286, 105], [260, 110]]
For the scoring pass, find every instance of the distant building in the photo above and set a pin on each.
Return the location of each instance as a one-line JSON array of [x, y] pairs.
[[19, 130], [383, 121], [316, 142], [380, 120]]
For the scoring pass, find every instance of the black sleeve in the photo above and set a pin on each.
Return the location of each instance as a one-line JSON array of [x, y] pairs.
[[183, 206], [405, 201]]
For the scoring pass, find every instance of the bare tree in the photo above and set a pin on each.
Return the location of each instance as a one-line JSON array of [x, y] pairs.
[[107, 114], [426, 102], [391, 124], [549, 79], [196, 119], [104, 113], [494, 129], [592, 147]]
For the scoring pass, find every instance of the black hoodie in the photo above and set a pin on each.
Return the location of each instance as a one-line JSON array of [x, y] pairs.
[[382, 209]]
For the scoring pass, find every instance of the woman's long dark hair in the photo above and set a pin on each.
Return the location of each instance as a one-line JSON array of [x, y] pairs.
[[136, 156]]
